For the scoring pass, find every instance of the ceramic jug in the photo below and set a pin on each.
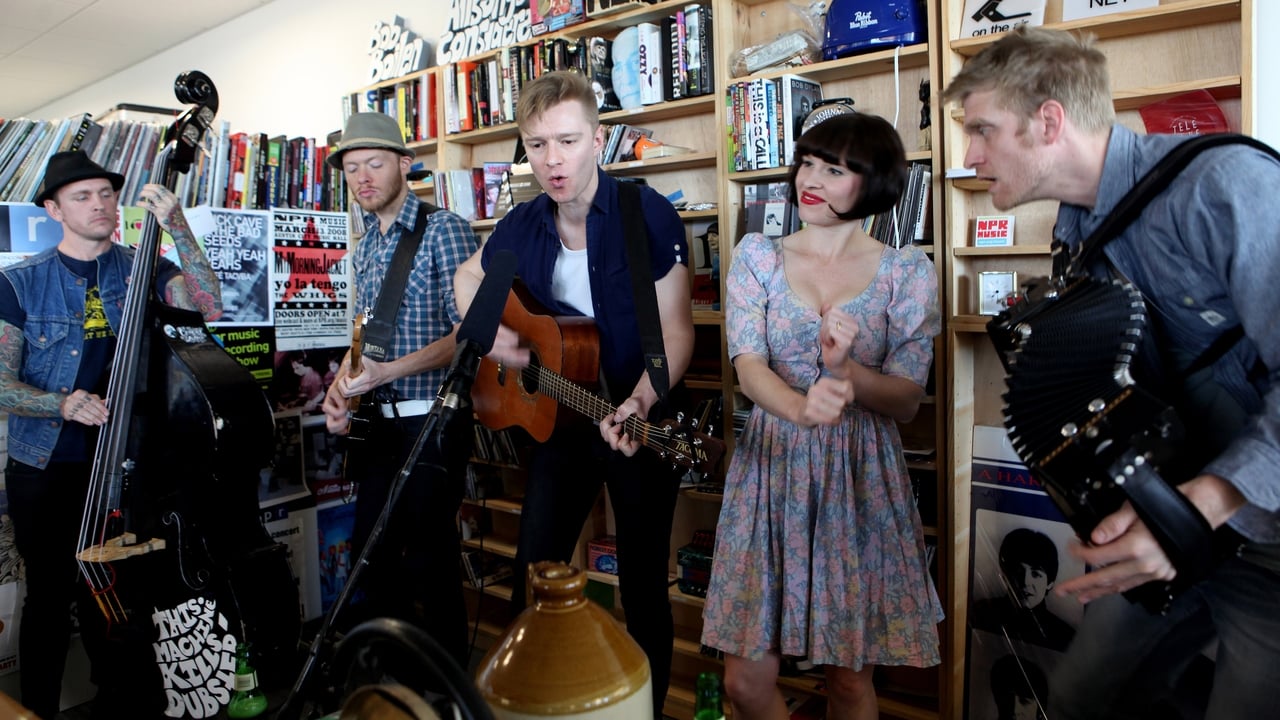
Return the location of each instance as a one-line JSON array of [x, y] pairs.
[[565, 656]]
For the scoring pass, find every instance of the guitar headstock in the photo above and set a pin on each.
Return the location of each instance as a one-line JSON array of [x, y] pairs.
[[688, 448]]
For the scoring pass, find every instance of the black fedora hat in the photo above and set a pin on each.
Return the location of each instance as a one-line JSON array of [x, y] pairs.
[[71, 166]]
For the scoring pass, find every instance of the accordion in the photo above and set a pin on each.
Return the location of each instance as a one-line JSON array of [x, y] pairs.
[[1084, 428]]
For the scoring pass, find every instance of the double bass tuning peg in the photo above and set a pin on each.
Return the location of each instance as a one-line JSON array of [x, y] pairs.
[[195, 88]]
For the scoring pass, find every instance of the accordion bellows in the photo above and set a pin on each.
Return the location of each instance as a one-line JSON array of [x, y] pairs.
[[1083, 427], [1071, 407]]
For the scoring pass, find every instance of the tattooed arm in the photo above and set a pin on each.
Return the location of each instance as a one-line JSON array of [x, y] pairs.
[[197, 288], [20, 398]]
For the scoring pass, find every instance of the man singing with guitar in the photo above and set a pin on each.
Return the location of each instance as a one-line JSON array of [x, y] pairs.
[[572, 248], [403, 268]]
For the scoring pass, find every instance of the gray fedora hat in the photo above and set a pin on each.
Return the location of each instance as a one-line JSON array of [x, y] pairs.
[[369, 130], [71, 166]]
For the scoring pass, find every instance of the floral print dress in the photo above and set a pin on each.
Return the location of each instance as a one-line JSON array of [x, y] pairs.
[[819, 547]]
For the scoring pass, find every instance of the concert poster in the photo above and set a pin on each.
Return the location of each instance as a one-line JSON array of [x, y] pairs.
[[335, 521], [238, 246], [252, 347], [311, 279]]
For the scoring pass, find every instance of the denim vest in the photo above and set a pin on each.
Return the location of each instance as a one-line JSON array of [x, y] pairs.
[[54, 335]]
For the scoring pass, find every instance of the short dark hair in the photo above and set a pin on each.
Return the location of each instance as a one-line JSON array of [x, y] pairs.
[[1028, 547], [866, 144]]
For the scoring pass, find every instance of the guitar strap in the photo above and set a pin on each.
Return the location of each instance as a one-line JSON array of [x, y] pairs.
[[381, 327], [646, 298]]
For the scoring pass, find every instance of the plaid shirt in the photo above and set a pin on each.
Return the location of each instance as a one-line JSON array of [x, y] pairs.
[[428, 311]]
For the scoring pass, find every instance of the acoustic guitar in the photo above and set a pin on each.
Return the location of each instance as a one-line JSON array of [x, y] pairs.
[[357, 420], [565, 356]]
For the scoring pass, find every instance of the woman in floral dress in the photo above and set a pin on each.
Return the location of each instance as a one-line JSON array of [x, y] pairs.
[[819, 549]]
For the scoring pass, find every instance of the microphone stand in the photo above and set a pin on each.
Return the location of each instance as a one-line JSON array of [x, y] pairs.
[[296, 707]]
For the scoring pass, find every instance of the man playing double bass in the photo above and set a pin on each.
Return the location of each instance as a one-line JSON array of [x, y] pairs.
[[60, 312]]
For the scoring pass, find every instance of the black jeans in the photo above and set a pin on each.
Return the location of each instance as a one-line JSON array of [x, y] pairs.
[[46, 507], [564, 480], [413, 574]]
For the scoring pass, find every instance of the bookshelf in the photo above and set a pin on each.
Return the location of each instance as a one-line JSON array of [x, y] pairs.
[[884, 82], [1152, 53]]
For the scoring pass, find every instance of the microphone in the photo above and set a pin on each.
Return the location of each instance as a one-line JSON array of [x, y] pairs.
[[475, 336]]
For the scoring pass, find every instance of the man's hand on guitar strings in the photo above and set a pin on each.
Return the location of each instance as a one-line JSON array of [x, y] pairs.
[[336, 413], [372, 374], [613, 427]]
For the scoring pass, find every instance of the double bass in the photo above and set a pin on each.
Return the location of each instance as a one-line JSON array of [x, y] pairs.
[[172, 543]]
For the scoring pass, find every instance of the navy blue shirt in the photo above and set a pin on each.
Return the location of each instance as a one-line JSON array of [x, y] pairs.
[[529, 231]]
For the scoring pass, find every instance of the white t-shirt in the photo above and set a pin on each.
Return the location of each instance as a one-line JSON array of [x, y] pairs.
[[569, 283]]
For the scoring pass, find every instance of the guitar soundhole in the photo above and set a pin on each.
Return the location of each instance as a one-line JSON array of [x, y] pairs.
[[529, 375]]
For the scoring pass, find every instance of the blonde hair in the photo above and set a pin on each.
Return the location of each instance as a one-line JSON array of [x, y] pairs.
[[553, 88], [1030, 65]]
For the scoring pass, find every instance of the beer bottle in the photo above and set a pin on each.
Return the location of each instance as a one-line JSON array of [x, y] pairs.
[[248, 699], [708, 704]]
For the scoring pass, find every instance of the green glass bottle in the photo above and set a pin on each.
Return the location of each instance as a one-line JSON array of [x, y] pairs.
[[708, 704], [248, 700]]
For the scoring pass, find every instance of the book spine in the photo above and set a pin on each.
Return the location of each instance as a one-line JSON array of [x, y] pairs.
[[693, 27], [706, 51], [650, 40]]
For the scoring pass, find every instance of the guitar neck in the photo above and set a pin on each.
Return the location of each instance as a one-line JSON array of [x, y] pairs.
[[583, 401]]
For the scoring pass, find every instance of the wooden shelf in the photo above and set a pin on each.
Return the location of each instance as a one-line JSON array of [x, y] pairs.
[[854, 66], [970, 323], [1221, 88], [688, 215], [971, 184], [596, 25], [781, 172], [1000, 251], [702, 496], [492, 545], [606, 578], [688, 107], [505, 505], [678, 596], [497, 590], [1162, 18], [673, 162], [420, 147]]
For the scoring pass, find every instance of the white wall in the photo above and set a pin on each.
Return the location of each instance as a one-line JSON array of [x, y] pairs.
[[280, 69], [1266, 126]]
